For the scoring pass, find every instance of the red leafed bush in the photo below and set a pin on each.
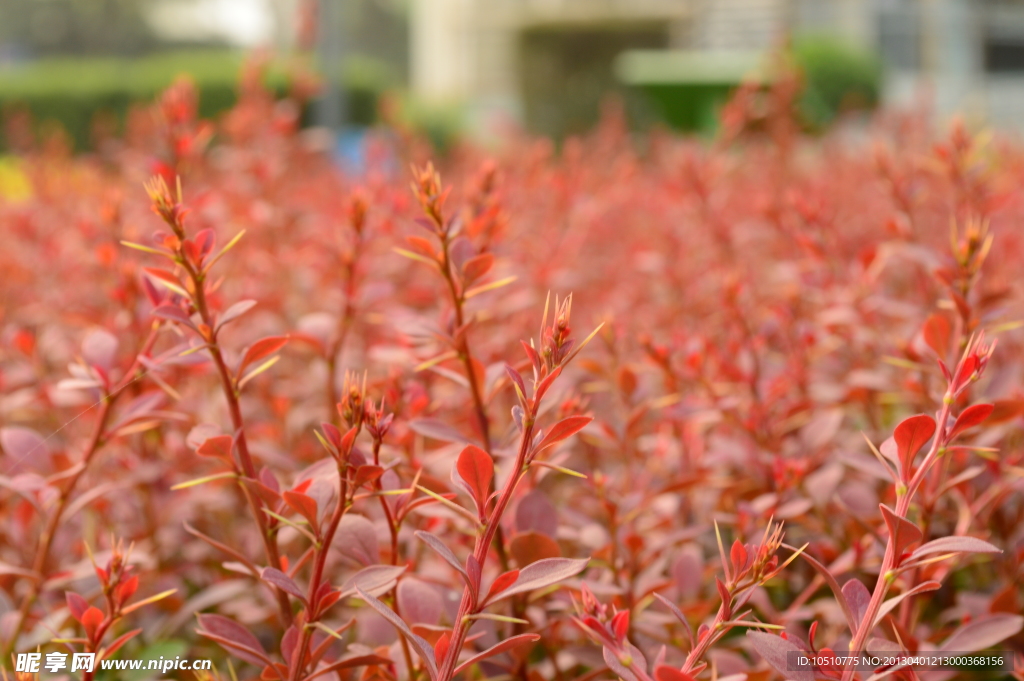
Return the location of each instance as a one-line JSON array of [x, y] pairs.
[[545, 414]]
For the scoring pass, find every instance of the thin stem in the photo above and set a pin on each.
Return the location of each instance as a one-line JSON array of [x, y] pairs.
[[475, 389], [245, 458], [483, 544], [45, 544], [890, 557]]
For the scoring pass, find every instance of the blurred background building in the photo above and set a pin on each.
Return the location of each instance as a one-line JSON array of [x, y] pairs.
[[546, 64], [538, 60]]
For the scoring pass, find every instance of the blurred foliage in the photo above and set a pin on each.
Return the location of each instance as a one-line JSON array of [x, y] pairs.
[[75, 26], [839, 78], [72, 92], [14, 184]]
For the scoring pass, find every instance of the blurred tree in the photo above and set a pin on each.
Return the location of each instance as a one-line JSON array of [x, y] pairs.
[[93, 27]]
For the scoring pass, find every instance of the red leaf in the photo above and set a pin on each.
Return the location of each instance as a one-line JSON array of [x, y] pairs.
[[529, 547], [936, 332], [971, 416], [507, 644], [501, 582], [422, 245], [116, 644], [367, 474], [563, 429], [91, 618], [620, 625], [723, 593], [260, 349], [1007, 409], [666, 673], [738, 556], [441, 647], [304, 505], [912, 434], [127, 588], [474, 268], [902, 532], [543, 386], [163, 275], [477, 470], [218, 447]]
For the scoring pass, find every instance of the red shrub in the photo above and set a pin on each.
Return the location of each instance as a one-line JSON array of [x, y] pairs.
[[322, 410]]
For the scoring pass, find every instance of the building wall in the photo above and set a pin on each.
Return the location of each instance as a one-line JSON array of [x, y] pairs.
[[469, 52]]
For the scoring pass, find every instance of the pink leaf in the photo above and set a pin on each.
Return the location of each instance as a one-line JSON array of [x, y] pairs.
[[442, 550], [174, 313], [282, 581], [499, 648], [888, 606], [777, 651], [76, 604], [955, 545], [420, 602], [437, 430], [857, 597], [983, 632], [544, 573], [374, 579], [234, 312], [99, 348], [423, 649], [356, 537], [20, 442], [233, 636]]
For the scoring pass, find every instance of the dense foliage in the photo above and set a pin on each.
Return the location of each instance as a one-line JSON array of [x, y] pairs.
[[554, 414]]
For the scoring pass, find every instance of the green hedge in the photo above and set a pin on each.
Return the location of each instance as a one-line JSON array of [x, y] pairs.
[[838, 78], [72, 92]]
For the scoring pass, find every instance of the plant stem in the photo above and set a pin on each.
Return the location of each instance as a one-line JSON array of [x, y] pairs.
[[45, 544], [483, 544], [245, 458], [890, 557]]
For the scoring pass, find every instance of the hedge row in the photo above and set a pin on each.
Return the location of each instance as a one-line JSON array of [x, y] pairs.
[[72, 92]]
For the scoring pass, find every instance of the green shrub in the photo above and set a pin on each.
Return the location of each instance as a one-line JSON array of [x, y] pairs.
[[839, 78], [72, 91]]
